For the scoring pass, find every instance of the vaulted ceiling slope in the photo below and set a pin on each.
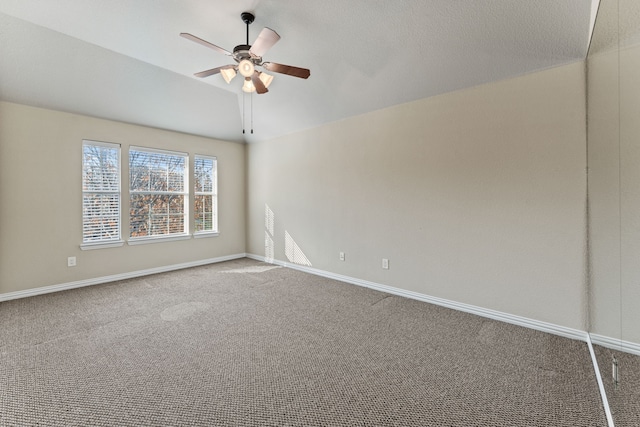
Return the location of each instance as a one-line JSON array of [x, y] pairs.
[[124, 60]]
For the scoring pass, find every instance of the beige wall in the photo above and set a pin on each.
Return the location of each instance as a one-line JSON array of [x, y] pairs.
[[604, 193], [476, 196], [41, 199], [614, 192], [630, 190]]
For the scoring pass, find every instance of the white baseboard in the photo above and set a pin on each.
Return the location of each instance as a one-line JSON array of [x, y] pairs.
[[467, 308], [603, 392], [604, 341], [105, 279], [616, 344]]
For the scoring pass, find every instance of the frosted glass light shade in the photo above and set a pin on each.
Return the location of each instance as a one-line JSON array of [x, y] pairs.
[[266, 79], [228, 74], [246, 68], [248, 86]]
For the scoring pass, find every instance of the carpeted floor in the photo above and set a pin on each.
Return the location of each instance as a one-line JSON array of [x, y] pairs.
[[625, 401], [243, 343]]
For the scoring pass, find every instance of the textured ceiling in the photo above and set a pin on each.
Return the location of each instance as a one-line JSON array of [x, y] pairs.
[[124, 59], [614, 28]]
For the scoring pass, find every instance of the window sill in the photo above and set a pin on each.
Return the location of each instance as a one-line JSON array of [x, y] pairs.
[[205, 234], [157, 239], [101, 245]]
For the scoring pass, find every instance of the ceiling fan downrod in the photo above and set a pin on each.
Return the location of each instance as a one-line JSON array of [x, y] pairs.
[[247, 18]]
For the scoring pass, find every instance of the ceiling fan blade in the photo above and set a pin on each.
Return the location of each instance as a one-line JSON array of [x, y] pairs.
[[205, 43], [213, 71], [266, 39], [302, 73], [260, 87]]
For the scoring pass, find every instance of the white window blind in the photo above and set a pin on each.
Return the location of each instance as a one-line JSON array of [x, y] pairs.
[[100, 192], [158, 192], [206, 199]]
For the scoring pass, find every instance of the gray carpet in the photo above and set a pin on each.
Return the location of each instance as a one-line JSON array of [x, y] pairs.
[[625, 401], [244, 344]]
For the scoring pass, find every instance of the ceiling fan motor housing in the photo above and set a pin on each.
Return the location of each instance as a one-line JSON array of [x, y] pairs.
[[241, 51]]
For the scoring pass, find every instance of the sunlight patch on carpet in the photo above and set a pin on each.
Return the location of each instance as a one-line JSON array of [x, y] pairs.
[[251, 269]]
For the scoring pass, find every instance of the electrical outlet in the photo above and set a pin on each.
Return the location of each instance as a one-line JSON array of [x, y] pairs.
[[385, 263], [71, 261], [341, 256]]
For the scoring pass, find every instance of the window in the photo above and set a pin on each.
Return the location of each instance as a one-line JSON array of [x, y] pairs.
[[206, 199], [100, 193], [158, 192]]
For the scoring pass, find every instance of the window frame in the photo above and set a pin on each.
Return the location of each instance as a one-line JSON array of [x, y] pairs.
[[213, 194], [115, 241], [135, 240]]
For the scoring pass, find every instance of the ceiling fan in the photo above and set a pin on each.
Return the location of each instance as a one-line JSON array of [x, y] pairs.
[[248, 57]]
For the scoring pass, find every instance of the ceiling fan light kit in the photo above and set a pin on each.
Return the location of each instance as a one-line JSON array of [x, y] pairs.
[[248, 57]]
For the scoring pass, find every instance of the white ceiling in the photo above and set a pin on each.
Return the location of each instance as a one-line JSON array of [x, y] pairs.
[[618, 26], [124, 59]]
